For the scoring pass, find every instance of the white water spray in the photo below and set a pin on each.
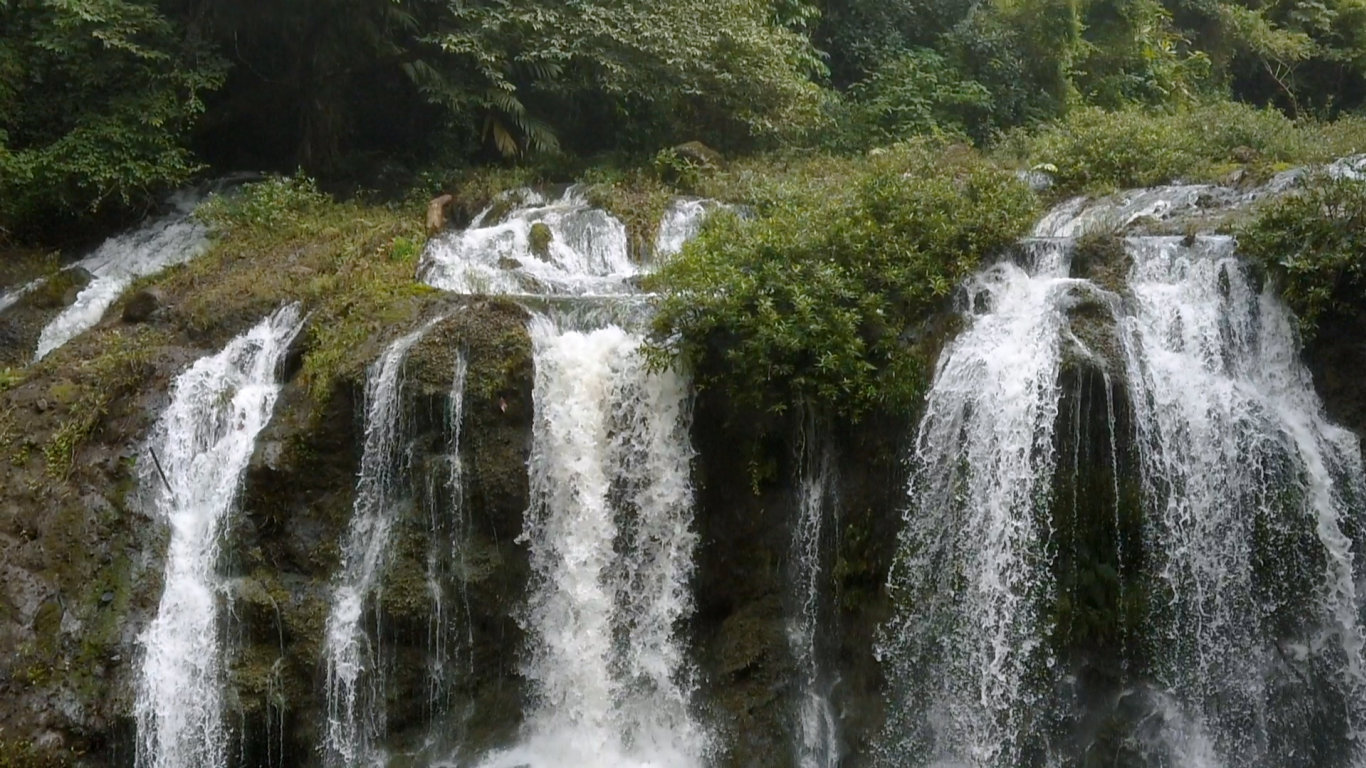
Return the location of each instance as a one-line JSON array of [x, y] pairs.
[[1248, 489], [611, 542], [971, 577], [203, 440], [562, 247]]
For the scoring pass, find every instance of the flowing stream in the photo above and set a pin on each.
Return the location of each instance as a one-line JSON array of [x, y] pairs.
[[172, 239], [202, 443]]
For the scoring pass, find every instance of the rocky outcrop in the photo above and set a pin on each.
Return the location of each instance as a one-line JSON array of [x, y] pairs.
[[22, 323]]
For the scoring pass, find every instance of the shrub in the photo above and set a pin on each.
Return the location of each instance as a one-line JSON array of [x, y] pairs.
[[1095, 150], [821, 296], [1313, 244]]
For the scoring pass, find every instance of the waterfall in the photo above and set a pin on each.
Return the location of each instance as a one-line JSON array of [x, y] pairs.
[[817, 744], [1249, 492], [355, 713], [609, 528], [682, 221], [971, 579], [171, 239], [1244, 645], [611, 542], [203, 442]]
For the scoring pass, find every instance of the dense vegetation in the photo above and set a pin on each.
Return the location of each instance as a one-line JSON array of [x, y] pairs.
[[823, 297], [106, 103], [882, 135], [1313, 243]]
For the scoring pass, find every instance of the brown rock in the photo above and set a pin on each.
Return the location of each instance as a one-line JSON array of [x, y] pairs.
[[436, 214]]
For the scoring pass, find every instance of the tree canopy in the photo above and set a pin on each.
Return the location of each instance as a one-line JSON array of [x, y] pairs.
[[106, 103]]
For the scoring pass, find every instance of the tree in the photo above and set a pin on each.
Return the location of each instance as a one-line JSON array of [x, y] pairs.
[[96, 98]]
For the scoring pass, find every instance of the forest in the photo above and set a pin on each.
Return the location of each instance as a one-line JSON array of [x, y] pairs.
[[107, 104]]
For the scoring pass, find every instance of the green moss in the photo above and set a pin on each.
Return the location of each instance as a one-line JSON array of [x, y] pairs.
[[540, 238], [493, 335], [121, 367], [58, 290], [351, 265]]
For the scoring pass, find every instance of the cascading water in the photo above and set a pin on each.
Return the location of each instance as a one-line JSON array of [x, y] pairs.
[[1249, 494], [817, 744], [971, 582], [547, 247], [202, 442], [611, 550], [447, 553], [172, 239], [609, 528], [681, 223], [355, 701]]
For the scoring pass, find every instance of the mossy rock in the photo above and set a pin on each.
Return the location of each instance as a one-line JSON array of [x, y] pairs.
[[1101, 258], [539, 239]]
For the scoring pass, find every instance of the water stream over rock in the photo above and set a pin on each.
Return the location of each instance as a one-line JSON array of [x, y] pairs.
[[199, 449]]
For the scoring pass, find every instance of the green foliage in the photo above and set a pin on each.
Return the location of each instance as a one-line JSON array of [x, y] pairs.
[[1096, 150], [96, 100], [1132, 54], [821, 298], [918, 93], [720, 65], [1313, 243]]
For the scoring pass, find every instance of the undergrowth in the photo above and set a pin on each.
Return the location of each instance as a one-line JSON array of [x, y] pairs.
[[352, 265]]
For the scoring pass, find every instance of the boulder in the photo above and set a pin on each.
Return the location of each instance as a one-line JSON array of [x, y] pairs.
[[142, 305]]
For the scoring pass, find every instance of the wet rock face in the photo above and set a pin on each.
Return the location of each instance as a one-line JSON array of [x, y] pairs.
[[80, 573], [1336, 357], [300, 493], [22, 323], [750, 686]]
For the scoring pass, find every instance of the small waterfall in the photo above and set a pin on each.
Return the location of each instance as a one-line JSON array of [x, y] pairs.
[[971, 579], [163, 242], [559, 247], [817, 744], [9, 298], [355, 712], [682, 221], [1249, 495], [203, 440], [609, 528], [611, 543], [446, 553]]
